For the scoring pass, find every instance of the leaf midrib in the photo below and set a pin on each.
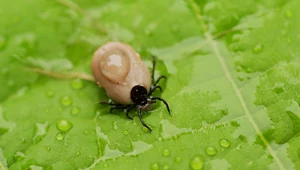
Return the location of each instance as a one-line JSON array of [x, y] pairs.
[[226, 71]]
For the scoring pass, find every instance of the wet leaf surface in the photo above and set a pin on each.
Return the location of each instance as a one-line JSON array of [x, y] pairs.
[[233, 85]]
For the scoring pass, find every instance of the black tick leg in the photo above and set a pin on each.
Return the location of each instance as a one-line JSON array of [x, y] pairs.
[[165, 102], [142, 121]]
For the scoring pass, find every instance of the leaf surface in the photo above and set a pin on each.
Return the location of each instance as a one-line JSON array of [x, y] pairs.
[[233, 83]]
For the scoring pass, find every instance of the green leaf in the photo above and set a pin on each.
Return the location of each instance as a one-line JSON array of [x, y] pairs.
[[233, 83]]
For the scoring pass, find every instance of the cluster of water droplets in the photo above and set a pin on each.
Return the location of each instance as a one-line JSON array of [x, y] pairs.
[[66, 101], [197, 162]]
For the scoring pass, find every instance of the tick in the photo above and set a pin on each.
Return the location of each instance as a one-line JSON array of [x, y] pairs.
[[126, 79]]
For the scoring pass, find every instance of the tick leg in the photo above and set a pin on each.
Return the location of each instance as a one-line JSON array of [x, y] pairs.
[[159, 78], [153, 71], [153, 67], [142, 121], [128, 110], [153, 89], [165, 102], [118, 107]]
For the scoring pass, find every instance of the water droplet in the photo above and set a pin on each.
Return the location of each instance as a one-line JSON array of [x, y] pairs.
[[18, 156], [98, 83], [242, 138], [288, 14], [23, 140], [236, 37], [46, 110], [75, 111], [64, 125], [224, 143], [196, 163], [240, 78], [66, 101], [77, 154], [50, 94], [125, 132], [86, 132], [178, 159], [155, 166], [48, 148], [211, 151], [238, 68], [77, 84], [166, 152], [59, 136], [166, 167], [258, 49], [105, 165], [234, 123]]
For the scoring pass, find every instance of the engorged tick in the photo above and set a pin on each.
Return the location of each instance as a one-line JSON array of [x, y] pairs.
[[126, 79]]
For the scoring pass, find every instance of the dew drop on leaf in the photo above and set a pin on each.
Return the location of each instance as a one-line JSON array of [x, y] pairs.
[[18, 156], [86, 132], [77, 154], [48, 148], [155, 166], [224, 143], [211, 151], [64, 125], [178, 159], [196, 163], [166, 167], [278, 88], [258, 49], [105, 165], [77, 84], [66, 101], [59, 136], [23, 140], [75, 111], [125, 132], [166, 152], [50, 94], [240, 78]]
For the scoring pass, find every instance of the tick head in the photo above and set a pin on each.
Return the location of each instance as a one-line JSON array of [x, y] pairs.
[[138, 95]]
